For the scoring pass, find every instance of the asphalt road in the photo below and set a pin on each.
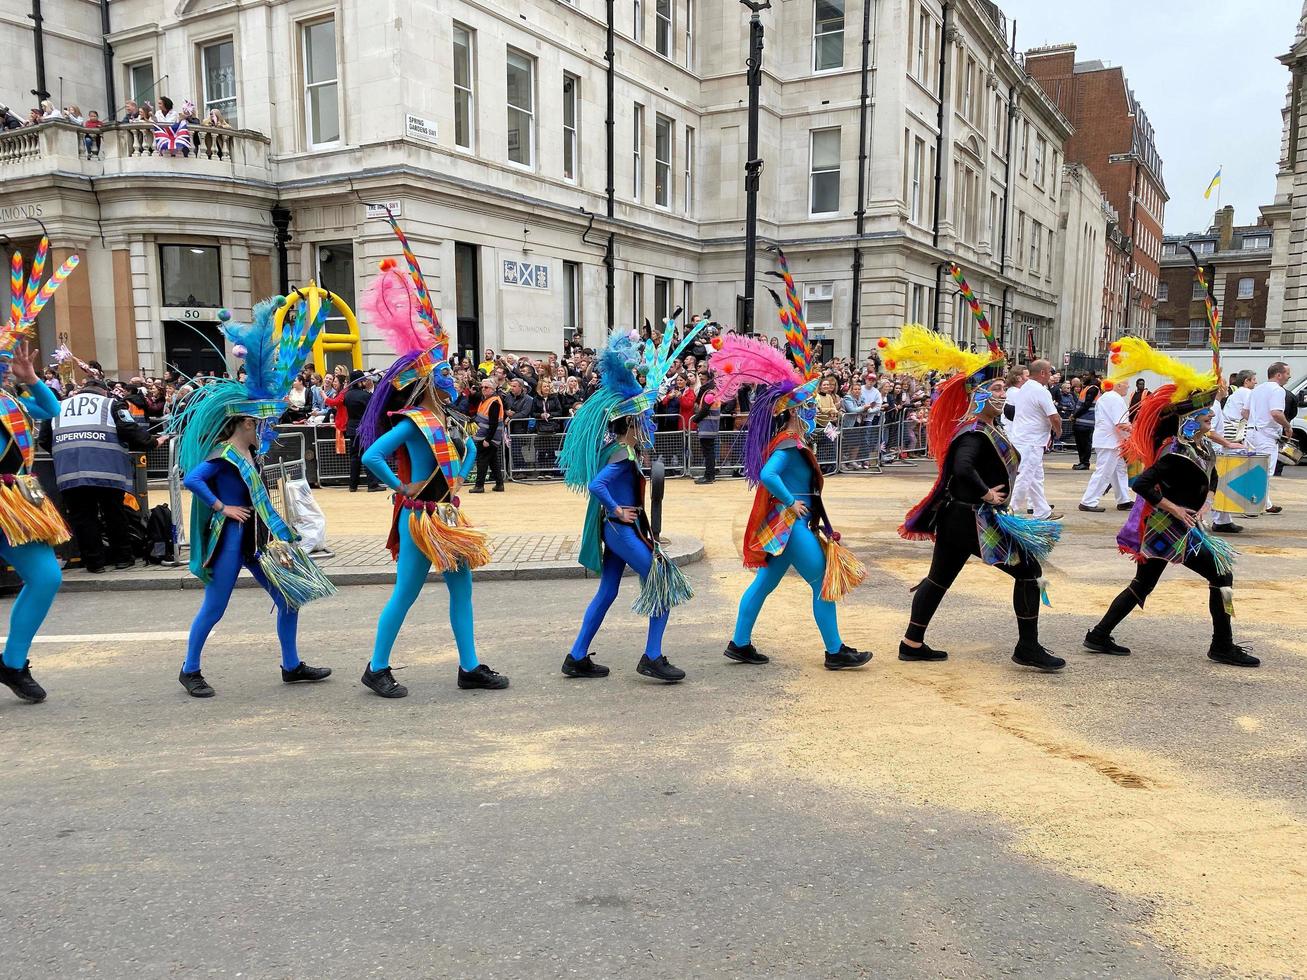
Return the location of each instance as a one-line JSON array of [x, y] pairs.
[[964, 820]]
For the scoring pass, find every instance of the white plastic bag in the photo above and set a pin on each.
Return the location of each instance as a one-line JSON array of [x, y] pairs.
[[305, 516]]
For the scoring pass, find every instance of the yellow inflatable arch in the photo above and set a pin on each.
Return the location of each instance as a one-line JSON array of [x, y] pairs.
[[348, 342]]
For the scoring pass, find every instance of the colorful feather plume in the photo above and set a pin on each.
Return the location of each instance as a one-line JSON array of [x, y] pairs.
[[796, 330], [919, 351], [392, 308], [1131, 355], [260, 345], [746, 360]]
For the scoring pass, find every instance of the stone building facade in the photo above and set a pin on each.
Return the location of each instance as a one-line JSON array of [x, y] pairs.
[[486, 129], [1287, 314]]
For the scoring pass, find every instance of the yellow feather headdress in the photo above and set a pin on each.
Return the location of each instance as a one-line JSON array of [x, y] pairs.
[[1131, 356], [919, 351]]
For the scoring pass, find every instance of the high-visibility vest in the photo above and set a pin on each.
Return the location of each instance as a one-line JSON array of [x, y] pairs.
[[86, 449]]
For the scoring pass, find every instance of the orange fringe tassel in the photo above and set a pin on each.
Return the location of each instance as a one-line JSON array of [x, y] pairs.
[[844, 571], [26, 523], [447, 546]]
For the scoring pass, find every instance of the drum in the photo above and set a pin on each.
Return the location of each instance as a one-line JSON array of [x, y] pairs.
[[1242, 482], [1290, 454]]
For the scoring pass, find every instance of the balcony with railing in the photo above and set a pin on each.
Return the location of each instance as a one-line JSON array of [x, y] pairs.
[[126, 149]]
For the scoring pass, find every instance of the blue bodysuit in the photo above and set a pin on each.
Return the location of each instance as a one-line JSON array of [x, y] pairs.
[[788, 476], [412, 565], [211, 481], [618, 485], [35, 563]]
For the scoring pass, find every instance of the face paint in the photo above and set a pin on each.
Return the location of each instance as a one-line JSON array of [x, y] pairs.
[[267, 435], [1192, 424], [808, 415], [646, 423], [984, 397], [442, 376]]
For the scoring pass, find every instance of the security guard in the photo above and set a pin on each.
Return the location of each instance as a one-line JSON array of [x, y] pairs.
[[92, 440]]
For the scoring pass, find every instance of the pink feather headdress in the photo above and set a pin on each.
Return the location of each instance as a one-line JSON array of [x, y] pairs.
[[745, 361], [392, 308]]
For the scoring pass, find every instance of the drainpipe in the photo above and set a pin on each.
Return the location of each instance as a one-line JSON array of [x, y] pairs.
[[1007, 205], [38, 43], [109, 100], [855, 321], [610, 252], [939, 154], [281, 226]]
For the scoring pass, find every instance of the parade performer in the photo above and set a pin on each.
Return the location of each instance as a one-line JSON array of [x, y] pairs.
[[1172, 439], [222, 430], [30, 524], [410, 419], [788, 525], [966, 511], [600, 457]]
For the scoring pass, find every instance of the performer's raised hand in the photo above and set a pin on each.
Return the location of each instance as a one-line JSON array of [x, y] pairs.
[[996, 496], [23, 364]]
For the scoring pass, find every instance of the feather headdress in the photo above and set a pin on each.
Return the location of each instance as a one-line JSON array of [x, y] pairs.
[[400, 308], [1159, 415], [581, 456], [28, 296], [272, 357], [1131, 355]]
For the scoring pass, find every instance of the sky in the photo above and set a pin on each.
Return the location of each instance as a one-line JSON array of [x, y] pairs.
[[1206, 74]]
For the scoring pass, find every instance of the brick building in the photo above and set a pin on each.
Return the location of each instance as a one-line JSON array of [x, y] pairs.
[[1238, 261], [1114, 139]]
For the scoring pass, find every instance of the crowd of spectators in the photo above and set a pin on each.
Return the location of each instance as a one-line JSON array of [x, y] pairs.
[[161, 112]]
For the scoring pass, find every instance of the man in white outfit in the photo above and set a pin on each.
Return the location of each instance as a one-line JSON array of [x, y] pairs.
[[1226, 420], [1036, 419], [1111, 427], [1267, 422]]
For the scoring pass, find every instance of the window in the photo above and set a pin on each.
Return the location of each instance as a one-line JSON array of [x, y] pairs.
[[1025, 148], [1048, 257], [819, 305], [828, 35], [968, 87], [663, 27], [917, 304], [637, 21], [570, 101], [336, 274], [1163, 292], [637, 144], [1256, 241], [996, 137], [995, 220], [1041, 148], [321, 112], [1243, 330], [189, 276], [1020, 252], [1245, 289], [464, 118], [571, 300], [521, 108], [663, 161], [687, 300], [922, 60], [662, 301], [218, 68], [140, 80], [1197, 332], [1168, 248], [824, 194], [1204, 248], [637, 300], [689, 173], [689, 36], [1163, 331], [1036, 241], [1198, 291], [914, 199]]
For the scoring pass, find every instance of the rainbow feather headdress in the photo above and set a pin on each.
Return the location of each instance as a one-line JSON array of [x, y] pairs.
[[28, 296], [1171, 410], [400, 307]]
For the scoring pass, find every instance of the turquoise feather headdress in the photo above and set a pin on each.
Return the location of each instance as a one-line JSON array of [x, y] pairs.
[[272, 359]]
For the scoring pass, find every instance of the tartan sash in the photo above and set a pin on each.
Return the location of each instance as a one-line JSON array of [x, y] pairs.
[[258, 493], [433, 430], [14, 419], [770, 524]]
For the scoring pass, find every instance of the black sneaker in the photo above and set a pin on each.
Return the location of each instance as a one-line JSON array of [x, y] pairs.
[[120, 566], [1230, 528], [585, 667], [1100, 642], [703, 481], [19, 680], [846, 659], [303, 672], [498, 489], [481, 677], [745, 654], [1232, 654], [383, 684], [1093, 510], [1129, 506], [659, 670], [922, 652], [1034, 655], [195, 684], [477, 490]]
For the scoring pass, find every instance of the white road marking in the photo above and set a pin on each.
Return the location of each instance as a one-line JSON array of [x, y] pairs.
[[111, 637]]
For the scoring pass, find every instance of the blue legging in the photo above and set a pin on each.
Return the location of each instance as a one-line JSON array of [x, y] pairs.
[[39, 569], [803, 551], [226, 566], [624, 547], [410, 575]]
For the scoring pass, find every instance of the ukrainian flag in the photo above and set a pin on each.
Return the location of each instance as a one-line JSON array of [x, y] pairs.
[[1213, 185]]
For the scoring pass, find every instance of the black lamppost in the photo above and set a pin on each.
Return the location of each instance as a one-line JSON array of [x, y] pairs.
[[753, 165], [281, 227]]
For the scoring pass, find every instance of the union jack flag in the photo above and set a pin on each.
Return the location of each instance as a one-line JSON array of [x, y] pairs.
[[171, 137]]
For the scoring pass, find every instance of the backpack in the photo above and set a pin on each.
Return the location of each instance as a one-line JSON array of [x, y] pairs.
[[160, 545]]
